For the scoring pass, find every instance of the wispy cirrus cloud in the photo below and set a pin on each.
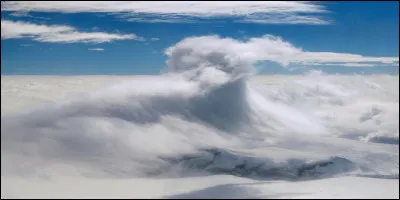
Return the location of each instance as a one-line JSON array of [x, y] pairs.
[[26, 14], [285, 18], [348, 64], [26, 45], [275, 12], [96, 49], [57, 33]]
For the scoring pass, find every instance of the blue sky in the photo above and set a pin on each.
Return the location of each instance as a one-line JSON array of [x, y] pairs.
[[63, 39]]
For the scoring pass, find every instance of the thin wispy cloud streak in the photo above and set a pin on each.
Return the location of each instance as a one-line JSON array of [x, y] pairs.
[[26, 14], [96, 49], [57, 33], [269, 12]]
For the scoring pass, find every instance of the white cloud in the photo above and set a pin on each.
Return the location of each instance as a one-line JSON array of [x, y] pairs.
[[139, 38], [74, 36], [286, 18], [180, 11], [150, 20], [96, 49], [20, 14], [26, 45], [155, 39], [57, 33], [346, 64], [10, 29], [26, 14], [325, 57], [231, 54]]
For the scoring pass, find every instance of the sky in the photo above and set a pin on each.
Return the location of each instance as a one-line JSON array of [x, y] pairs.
[[82, 38]]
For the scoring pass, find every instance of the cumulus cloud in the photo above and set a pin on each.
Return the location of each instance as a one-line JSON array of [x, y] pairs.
[[96, 49], [230, 54], [179, 11], [56, 33]]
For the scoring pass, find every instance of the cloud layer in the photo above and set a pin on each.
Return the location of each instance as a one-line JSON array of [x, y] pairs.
[[274, 12], [231, 54], [57, 33]]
